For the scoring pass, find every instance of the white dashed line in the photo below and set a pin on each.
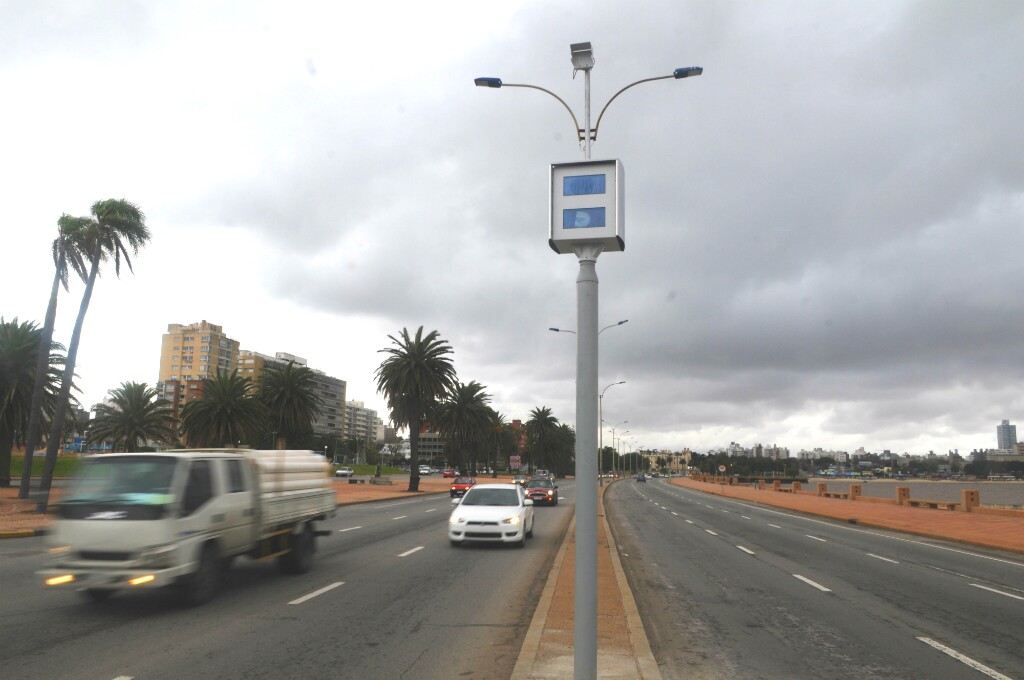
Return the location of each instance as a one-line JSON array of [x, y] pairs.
[[341, 531], [409, 552], [749, 552], [317, 592], [745, 517], [400, 517], [884, 559], [431, 510], [964, 659], [812, 583], [993, 590], [711, 532], [689, 521], [816, 538], [775, 526]]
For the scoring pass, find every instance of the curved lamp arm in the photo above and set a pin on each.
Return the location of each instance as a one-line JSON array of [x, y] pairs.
[[685, 72], [496, 82]]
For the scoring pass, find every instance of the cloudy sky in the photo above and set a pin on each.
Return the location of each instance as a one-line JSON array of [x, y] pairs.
[[824, 231]]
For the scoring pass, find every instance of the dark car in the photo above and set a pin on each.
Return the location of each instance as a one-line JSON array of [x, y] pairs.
[[542, 490], [461, 485], [641, 477], [521, 480]]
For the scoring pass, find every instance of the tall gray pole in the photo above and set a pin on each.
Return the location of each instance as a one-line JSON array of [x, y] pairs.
[[585, 606]]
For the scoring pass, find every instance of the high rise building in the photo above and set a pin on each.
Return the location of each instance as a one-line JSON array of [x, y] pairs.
[[1006, 435], [190, 353], [362, 423]]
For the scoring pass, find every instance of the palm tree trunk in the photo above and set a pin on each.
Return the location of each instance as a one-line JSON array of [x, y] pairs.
[[38, 389], [414, 455], [57, 429]]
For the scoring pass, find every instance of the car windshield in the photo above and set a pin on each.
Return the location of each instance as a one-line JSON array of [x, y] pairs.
[[478, 496], [132, 480], [465, 480], [543, 483]]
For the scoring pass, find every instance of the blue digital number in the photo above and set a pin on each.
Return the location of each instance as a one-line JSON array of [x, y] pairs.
[[582, 218], [583, 185]]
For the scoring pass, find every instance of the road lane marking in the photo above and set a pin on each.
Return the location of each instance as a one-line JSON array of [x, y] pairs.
[[689, 521], [884, 559], [400, 517], [431, 510], [964, 659], [993, 590], [745, 517], [775, 526], [317, 592], [724, 510], [409, 552], [341, 531], [675, 513], [711, 532], [746, 550], [816, 538], [812, 583]]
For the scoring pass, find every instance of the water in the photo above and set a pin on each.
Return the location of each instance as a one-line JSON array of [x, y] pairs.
[[992, 493]]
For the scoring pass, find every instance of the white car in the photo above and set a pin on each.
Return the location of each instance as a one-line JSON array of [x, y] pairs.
[[424, 470], [344, 472], [491, 513]]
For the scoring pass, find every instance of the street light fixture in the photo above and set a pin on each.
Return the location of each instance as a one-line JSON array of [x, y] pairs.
[[565, 330], [600, 419]]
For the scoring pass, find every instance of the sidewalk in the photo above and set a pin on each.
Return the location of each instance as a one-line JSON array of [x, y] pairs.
[[986, 531]]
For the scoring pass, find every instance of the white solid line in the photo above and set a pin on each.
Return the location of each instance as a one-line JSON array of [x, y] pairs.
[[341, 531], [993, 590], [816, 538], [317, 592], [964, 659], [776, 526], [884, 559], [711, 532], [409, 552], [400, 517], [746, 550], [812, 583]]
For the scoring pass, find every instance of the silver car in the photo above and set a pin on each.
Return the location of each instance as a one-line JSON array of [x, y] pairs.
[[491, 513]]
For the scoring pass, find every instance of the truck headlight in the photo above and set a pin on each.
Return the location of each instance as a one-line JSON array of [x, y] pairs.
[[161, 555]]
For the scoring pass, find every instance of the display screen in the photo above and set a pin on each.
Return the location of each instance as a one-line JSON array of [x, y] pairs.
[[582, 185], [583, 218]]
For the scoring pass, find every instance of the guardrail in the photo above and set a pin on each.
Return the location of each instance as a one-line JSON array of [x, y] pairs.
[[970, 499]]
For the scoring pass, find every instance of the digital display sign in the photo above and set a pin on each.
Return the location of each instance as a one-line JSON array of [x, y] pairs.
[[583, 218], [583, 185]]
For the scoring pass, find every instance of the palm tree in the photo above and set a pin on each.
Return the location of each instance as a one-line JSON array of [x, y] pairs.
[[463, 418], [289, 394], [563, 445], [415, 374], [135, 415], [540, 427], [18, 349], [227, 411], [67, 253], [115, 226], [499, 438]]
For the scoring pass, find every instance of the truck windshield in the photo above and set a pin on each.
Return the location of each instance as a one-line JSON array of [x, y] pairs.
[[130, 480]]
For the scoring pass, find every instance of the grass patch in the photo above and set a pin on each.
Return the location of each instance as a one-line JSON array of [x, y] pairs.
[[66, 465]]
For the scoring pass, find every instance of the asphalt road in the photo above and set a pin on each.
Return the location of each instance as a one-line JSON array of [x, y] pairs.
[[387, 598], [730, 590]]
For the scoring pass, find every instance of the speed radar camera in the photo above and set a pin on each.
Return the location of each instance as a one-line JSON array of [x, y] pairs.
[[587, 206]]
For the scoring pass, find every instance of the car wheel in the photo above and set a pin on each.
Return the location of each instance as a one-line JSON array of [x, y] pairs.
[[299, 559], [529, 534], [203, 584]]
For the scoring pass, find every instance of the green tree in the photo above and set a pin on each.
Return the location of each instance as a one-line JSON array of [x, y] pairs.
[[68, 254], [563, 450], [540, 428], [416, 373], [19, 342], [501, 441], [289, 394], [227, 411], [134, 416], [463, 418], [116, 226]]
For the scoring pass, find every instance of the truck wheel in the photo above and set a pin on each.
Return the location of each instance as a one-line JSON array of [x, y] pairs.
[[299, 559], [203, 584]]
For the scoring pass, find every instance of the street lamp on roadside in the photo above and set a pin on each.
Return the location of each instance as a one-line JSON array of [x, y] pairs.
[[600, 420], [564, 330]]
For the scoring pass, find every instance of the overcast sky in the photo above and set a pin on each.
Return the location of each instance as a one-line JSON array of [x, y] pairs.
[[824, 232]]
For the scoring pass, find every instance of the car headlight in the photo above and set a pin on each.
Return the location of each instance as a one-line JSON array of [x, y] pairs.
[[456, 520], [512, 520]]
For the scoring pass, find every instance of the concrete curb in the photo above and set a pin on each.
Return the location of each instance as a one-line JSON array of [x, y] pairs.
[[23, 533]]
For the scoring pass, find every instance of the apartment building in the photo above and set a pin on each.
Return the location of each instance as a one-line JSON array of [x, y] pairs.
[[362, 423], [189, 353]]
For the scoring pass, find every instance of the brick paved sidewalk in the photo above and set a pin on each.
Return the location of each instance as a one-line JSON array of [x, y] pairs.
[[988, 531]]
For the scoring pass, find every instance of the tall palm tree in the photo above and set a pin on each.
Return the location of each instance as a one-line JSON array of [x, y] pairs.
[[540, 428], [136, 414], [115, 227], [289, 394], [68, 253], [227, 411], [499, 438], [415, 374], [463, 418], [18, 348], [563, 447]]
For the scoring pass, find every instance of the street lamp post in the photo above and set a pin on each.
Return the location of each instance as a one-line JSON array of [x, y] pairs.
[[600, 421], [587, 252]]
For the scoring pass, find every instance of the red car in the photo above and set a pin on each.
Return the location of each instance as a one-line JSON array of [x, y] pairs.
[[450, 473], [461, 485], [542, 491]]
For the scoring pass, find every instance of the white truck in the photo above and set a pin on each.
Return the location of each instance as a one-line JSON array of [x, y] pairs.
[[148, 520]]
